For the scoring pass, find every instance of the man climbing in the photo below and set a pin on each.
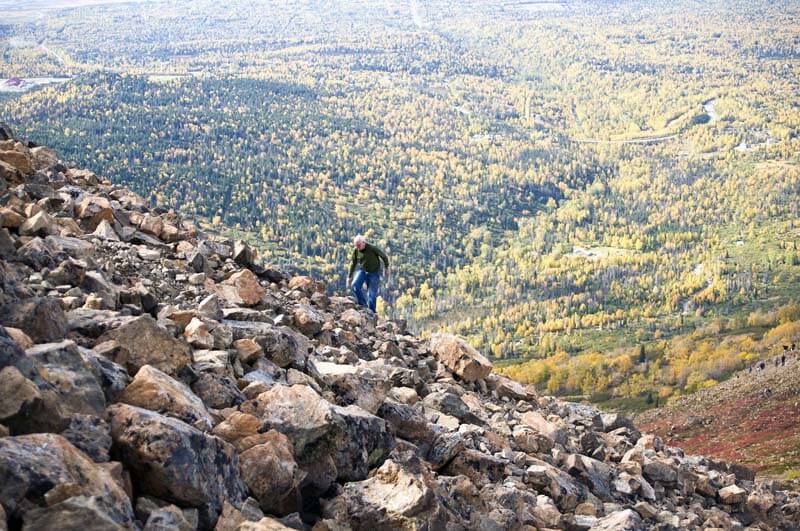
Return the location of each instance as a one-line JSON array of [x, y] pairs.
[[366, 264]]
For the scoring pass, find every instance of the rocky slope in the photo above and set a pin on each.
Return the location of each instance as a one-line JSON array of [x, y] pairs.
[[751, 418], [153, 377]]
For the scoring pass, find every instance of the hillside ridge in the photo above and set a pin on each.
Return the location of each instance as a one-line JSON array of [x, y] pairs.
[[153, 377], [750, 418]]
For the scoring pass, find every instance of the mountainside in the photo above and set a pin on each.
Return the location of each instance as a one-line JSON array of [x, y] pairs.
[[155, 377], [550, 179], [753, 419]]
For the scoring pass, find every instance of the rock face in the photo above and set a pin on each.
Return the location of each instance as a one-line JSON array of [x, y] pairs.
[[460, 357], [145, 365]]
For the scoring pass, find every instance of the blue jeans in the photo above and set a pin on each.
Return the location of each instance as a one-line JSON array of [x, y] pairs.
[[373, 281]]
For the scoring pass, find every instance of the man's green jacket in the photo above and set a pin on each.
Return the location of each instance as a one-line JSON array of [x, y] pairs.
[[368, 259]]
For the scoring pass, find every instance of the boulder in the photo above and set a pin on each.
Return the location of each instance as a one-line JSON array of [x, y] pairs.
[[10, 174], [406, 421], [282, 345], [149, 344], [452, 405], [169, 518], [241, 430], [24, 408], [303, 283], [399, 495], [152, 225], [105, 231], [45, 469], [91, 435], [217, 392], [311, 422], [265, 524], [41, 318], [40, 224], [661, 471], [74, 247], [210, 307], [243, 254], [307, 320], [76, 512], [480, 468], [154, 390], [69, 272], [20, 160], [198, 335], [367, 443], [355, 385], [247, 350], [625, 520], [10, 219], [43, 158], [242, 288], [551, 430], [732, 494], [94, 209], [171, 460], [70, 376], [271, 473], [460, 357]]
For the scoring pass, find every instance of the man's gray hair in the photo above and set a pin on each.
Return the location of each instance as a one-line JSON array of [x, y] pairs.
[[359, 239]]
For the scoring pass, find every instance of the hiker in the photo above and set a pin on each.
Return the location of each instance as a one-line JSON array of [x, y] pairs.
[[762, 366], [783, 360], [366, 265]]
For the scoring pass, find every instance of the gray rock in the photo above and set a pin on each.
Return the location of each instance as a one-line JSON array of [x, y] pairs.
[[154, 390], [169, 459], [76, 512], [626, 520], [91, 435], [272, 475], [367, 443], [149, 344], [70, 376], [311, 422], [45, 469], [460, 357], [40, 317]]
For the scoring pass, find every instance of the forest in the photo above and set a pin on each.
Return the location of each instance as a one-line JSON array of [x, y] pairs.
[[567, 185]]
